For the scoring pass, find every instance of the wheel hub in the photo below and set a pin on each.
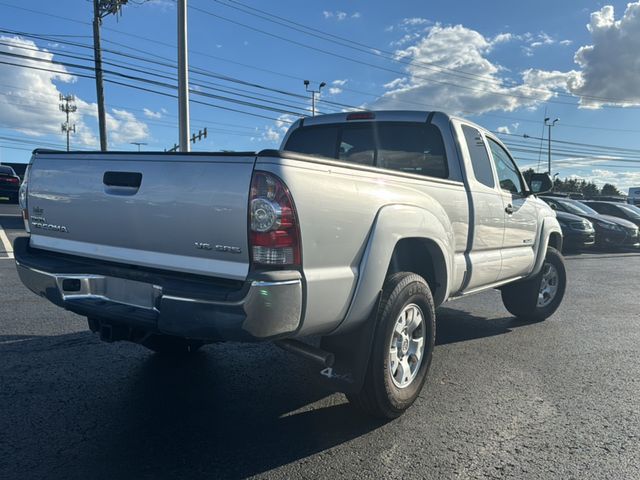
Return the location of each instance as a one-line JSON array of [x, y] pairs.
[[548, 285], [406, 346]]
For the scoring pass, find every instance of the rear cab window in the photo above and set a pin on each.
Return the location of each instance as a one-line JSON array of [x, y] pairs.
[[408, 147]]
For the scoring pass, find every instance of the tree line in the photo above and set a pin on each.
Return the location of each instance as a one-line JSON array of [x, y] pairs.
[[572, 185]]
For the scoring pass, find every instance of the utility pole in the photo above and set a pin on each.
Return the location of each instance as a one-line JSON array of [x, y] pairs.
[[68, 107], [313, 95], [138, 144], [183, 78], [102, 8], [549, 123]]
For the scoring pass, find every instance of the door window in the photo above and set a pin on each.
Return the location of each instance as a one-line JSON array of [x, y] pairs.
[[508, 174]]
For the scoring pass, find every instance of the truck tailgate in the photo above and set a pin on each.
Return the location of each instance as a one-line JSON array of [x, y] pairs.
[[166, 211]]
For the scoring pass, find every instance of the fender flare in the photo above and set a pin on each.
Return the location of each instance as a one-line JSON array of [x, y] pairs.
[[392, 224], [549, 226]]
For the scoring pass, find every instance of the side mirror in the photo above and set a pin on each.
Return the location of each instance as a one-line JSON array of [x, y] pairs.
[[540, 183]]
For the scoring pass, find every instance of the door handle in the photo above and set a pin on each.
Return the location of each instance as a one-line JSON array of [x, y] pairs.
[[509, 209]]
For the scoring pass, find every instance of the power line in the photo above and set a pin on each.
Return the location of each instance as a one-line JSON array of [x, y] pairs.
[[565, 142], [197, 71], [379, 52], [327, 52]]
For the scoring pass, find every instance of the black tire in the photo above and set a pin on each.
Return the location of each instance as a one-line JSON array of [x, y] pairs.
[[379, 396], [521, 299], [170, 346]]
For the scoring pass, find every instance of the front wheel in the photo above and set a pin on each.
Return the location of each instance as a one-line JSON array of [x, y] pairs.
[[537, 299], [402, 347]]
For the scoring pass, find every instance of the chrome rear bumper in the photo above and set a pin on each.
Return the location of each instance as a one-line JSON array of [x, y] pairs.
[[270, 307]]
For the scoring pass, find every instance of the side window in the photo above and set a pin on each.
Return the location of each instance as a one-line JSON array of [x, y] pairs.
[[357, 145], [606, 209], [508, 174], [479, 156]]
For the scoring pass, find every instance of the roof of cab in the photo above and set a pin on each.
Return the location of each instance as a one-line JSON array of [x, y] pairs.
[[379, 116]]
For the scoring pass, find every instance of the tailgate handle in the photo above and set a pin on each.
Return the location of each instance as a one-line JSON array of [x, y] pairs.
[[122, 179]]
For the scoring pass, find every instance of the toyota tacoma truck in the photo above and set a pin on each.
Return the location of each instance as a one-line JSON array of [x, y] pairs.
[[351, 235]]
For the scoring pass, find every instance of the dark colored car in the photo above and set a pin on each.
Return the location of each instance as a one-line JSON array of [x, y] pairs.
[[620, 210], [610, 231], [9, 183], [577, 232]]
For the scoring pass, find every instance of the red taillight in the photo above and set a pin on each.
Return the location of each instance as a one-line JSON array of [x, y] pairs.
[[13, 180], [273, 224]]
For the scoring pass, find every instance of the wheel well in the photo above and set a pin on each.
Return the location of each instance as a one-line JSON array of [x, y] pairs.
[[555, 241], [423, 257]]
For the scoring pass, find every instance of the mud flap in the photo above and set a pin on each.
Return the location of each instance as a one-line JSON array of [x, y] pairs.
[[352, 351]]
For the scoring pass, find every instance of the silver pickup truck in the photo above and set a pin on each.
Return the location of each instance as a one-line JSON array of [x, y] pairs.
[[352, 233]]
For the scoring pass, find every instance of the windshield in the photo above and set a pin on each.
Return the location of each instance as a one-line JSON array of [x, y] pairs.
[[4, 170], [578, 208]]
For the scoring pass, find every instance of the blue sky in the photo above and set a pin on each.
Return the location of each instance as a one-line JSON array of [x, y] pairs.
[[501, 63]]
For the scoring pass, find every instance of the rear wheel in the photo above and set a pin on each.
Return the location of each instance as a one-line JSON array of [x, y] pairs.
[[537, 299], [402, 347], [171, 346]]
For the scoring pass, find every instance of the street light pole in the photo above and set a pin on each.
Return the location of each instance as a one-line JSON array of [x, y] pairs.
[[183, 78], [313, 95], [549, 123]]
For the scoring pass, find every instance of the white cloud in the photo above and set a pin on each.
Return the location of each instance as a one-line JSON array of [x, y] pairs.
[[621, 179], [610, 66], [29, 101], [273, 133], [334, 90], [502, 38], [123, 127], [339, 15], [481, 88], [151, 114], [164, 5], [396, 83], [413, 29], [565, 42], [503, 129], [414, 21], [340, 83]]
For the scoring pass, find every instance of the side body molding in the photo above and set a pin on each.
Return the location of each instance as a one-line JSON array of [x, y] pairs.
[[392, 224]]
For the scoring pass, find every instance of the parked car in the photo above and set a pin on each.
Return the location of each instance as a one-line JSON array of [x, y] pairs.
[[355, 231], [577, 232], [619, 210], [634, 196], [610, 231], [9, 183]]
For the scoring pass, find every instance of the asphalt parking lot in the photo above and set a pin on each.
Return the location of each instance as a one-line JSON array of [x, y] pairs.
[[504, 399]]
